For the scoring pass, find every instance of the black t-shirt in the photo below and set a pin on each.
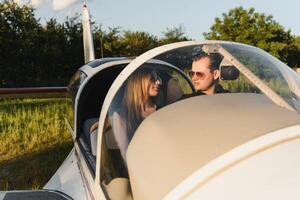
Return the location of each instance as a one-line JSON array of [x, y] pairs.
[[218, 89]]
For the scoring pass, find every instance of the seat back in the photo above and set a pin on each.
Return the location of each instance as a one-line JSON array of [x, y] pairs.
[[118, 189], [229, 72], [174, 92]]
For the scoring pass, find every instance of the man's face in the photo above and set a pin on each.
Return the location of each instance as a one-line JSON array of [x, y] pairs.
[[203, 78]]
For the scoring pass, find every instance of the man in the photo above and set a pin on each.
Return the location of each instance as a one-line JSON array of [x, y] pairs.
[[205, 72]]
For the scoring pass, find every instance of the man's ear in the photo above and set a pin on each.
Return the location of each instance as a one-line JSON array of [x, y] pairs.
[[216, 74]]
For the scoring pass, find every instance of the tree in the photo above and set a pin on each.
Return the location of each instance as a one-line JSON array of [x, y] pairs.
[[61, 51], [175, 34], [33, 55], [54, 54], [293, 56], [98, 41], [73, 53], [108, 43], [250, 27], [112, 44], [137, 42], [18, 30]]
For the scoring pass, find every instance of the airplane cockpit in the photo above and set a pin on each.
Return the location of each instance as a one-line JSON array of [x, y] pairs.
[[129, 104], [87, 91], [121, 95]]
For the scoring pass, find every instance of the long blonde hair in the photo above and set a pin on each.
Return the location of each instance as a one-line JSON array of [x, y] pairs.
[[135, 98]]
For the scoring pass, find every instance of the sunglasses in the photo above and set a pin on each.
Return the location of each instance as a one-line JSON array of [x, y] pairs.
[[199, 75], [154, 77]]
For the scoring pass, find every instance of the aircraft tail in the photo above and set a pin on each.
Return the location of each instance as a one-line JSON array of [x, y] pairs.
[[88, 43]]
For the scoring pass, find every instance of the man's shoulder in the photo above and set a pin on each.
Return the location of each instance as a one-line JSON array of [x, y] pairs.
[[192, 95], [220, 89]]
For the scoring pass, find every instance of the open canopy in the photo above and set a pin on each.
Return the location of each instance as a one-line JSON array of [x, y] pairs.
[[243, 68], [259, 71]]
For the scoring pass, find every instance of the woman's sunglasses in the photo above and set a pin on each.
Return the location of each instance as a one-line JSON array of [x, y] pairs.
[[154, 77], [199, 75]]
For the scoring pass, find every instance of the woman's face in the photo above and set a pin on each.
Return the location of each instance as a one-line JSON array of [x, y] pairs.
[[155, 82]]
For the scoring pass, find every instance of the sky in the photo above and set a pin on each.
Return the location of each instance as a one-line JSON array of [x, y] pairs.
[[156, 16]]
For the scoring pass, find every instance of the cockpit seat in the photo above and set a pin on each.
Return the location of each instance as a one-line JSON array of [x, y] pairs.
[[118, 189], [229, 72], [174, 92], [86, 129], [91, 138]]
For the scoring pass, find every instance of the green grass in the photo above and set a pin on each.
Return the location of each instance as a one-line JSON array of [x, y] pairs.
[[33, 141]]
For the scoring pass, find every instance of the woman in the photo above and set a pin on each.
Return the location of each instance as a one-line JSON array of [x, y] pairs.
[[139, 101]]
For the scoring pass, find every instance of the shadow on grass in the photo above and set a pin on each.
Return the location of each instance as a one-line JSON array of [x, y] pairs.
[[32, 171]]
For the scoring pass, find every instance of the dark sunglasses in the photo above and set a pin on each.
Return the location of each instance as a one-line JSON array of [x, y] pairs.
[[154, 77], [199, 75]]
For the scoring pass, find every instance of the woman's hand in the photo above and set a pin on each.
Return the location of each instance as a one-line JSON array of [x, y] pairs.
[[94, 127], [147, 110]]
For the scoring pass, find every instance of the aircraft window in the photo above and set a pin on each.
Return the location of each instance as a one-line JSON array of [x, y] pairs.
[[238, 84], [89, 108], [149, 88], [74, 84], [230, 78], [264, 66]]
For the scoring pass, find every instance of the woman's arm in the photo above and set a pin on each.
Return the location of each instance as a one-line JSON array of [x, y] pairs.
[[94, 127], [120, 133]]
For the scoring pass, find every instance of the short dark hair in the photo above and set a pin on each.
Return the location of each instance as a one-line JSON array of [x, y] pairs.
[[215, 58]]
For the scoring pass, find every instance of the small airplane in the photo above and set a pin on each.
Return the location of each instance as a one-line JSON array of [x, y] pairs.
[[244, 144]]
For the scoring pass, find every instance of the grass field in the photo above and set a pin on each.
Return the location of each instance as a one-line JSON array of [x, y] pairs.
[[33, 141]]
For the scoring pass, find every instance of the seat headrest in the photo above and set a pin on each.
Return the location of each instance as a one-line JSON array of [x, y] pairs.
[[174, 91], [229, 72]]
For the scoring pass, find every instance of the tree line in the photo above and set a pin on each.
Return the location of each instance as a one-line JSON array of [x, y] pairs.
[[33, 54]]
